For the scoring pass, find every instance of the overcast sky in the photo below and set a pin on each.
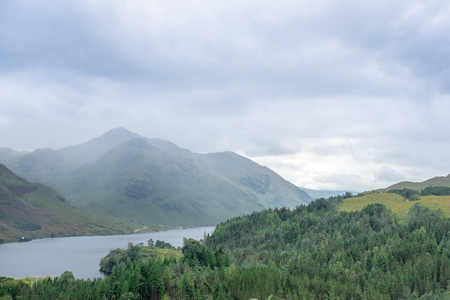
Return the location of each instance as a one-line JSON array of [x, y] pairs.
[[348, 95]]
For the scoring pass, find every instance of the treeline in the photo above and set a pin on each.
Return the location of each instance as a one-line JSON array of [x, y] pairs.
[[311, 252], [414, 195]]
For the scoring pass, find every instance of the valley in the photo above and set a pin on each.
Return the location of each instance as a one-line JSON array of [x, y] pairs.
[[275, 254], [390, 243]]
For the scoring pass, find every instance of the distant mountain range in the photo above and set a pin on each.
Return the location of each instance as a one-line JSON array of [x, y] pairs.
[[32, 210], [316, 194], [125, 175]]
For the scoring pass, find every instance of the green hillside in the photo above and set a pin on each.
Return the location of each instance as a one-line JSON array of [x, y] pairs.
[[31, 210], [400, 197], [124, 175], [396, 203], [435, 181]]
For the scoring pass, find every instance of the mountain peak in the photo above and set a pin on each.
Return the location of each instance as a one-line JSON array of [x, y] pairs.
[[119, 132], [113, 137], [91, 150]]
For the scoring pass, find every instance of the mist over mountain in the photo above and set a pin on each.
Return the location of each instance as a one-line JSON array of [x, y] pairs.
[[125, 175], [8, 153], [33, 210]]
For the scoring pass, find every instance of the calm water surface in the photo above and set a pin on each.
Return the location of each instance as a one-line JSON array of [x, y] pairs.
[[80, 255]]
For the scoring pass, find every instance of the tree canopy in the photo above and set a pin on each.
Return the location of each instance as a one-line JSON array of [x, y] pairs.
[[310, 252]]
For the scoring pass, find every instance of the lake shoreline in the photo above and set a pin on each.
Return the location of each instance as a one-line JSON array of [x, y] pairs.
[[80, 254], [140, 230]]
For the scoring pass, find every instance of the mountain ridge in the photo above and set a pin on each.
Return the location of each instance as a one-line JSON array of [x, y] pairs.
[[126, 175], [435, 181]]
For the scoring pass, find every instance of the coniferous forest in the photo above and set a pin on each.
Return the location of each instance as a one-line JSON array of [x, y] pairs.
[[310, 252]]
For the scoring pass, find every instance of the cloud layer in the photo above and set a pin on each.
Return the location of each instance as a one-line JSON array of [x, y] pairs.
[[330, 94]]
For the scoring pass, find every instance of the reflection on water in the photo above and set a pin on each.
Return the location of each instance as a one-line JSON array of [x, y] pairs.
[[80, 255]]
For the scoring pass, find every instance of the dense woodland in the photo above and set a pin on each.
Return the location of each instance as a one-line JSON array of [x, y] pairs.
[[310, 252]]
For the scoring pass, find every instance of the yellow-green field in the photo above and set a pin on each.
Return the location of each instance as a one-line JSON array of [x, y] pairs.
[[167, 253], [396, 203]]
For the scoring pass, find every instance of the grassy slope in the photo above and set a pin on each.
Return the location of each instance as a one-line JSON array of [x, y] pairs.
[[37, 211], [396, 203], [436, 181]]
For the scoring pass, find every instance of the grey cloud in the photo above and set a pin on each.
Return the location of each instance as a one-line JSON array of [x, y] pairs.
[[298, 57], [270, 146], [56, 37], [346, 180], [405, 37], [267, 79], [387, 174]]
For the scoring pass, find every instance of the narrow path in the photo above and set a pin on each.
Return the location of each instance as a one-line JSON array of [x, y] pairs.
[[145, 227]]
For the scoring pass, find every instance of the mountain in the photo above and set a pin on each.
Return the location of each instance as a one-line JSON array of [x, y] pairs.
[[435, 181], [8, 153], [53, 167], [125, 175], [32, 210]]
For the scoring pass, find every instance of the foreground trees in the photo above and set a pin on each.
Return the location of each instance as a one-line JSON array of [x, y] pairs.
[[311, 252]]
